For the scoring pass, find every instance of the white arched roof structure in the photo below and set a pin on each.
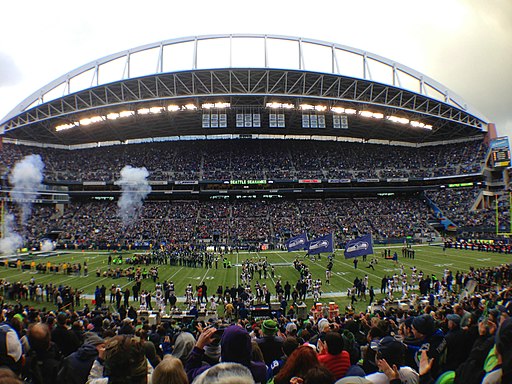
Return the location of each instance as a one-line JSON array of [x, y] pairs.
[[305, 53], [421, 94]]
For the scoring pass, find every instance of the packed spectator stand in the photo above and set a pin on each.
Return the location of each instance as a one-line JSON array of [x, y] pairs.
[[462, 335], [256, 159], [467, 331], [87, 225], [92, 223]]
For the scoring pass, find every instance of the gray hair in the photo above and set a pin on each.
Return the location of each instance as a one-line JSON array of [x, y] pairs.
[[225, 373]]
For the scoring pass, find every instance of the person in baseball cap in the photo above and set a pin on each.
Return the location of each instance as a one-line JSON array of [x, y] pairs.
[[423, 325], [455, 319], [502, 373], [270, 344], [390, 360], [430, 338]]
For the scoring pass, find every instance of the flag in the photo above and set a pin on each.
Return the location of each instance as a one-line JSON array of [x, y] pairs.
[[360, 246], [321, 244], [297, 243]]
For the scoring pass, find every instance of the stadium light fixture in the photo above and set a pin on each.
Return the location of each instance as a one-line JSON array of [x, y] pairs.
[[375, 115], [280, 105], [113, 116], [190, 107], [350, 111], [126, 113], [91, 120], [64, 127], [419, 124], [156, 109], [397, 119], [218, 105], [173, 108], [143, 111], [306, 107], [337, 110], [320, 108]]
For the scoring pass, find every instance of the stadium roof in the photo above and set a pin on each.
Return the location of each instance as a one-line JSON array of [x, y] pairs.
[[242, 84]]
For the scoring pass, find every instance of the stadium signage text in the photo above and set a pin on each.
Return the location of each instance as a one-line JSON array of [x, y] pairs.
[[338, 181], [310, 181], [368, 180], [247, 182]]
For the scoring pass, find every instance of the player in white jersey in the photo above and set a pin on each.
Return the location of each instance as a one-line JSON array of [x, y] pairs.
[[413, 280], [390, 291], [143, 301], [189, 295], [395, 280], [404, 289], [328, 274], [316, 292]]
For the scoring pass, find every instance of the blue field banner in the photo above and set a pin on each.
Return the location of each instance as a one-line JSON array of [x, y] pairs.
[[297, 243], [358, 247], [321, 244]]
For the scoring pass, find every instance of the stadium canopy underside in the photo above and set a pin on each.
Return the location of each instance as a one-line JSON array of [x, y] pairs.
[[259, 98]]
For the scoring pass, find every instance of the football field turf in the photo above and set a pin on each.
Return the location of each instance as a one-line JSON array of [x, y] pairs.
[[429, 259]]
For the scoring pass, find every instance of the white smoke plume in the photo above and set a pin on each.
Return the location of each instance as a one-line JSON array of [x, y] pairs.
[[26, 179], [10, 240], [47, 245], [134, 189]]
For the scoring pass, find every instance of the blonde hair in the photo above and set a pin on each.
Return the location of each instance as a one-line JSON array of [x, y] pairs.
[[169, 371]]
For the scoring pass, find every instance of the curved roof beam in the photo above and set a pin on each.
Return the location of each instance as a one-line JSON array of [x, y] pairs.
[[361, 64]]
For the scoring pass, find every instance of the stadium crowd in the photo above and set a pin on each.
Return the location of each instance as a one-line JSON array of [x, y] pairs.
[[96, 224], [253, 159], [460, 334]]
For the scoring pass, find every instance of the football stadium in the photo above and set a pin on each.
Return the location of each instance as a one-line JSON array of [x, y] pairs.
[[282, 183]]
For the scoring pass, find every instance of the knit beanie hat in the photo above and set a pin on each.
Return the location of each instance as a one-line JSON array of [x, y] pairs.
[[269, 327], [235, 345], [424, 324]]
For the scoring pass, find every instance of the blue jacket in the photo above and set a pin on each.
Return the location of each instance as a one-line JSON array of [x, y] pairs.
[[76, 367]]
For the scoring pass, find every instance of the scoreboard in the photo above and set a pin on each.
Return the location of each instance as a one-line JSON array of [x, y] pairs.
[[500, 152]]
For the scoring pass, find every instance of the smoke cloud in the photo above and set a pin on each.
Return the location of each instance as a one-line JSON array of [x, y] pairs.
[[11, 241], [26, 179], [47, 245], [135, 188]]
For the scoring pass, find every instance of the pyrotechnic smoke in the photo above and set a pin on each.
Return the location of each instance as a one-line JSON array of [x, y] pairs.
[[10, 241], [135, 187], [47, 245], [26, 179]]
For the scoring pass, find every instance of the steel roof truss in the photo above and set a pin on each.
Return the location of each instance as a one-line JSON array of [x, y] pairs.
[[224, 88]]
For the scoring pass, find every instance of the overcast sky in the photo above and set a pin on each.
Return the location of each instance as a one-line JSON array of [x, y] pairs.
[[464, 44]]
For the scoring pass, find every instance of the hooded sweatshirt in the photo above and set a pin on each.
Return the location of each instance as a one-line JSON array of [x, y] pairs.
[[75, 368], [236, 347]]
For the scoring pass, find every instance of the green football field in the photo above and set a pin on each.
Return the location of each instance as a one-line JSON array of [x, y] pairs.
[[429, 259]]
